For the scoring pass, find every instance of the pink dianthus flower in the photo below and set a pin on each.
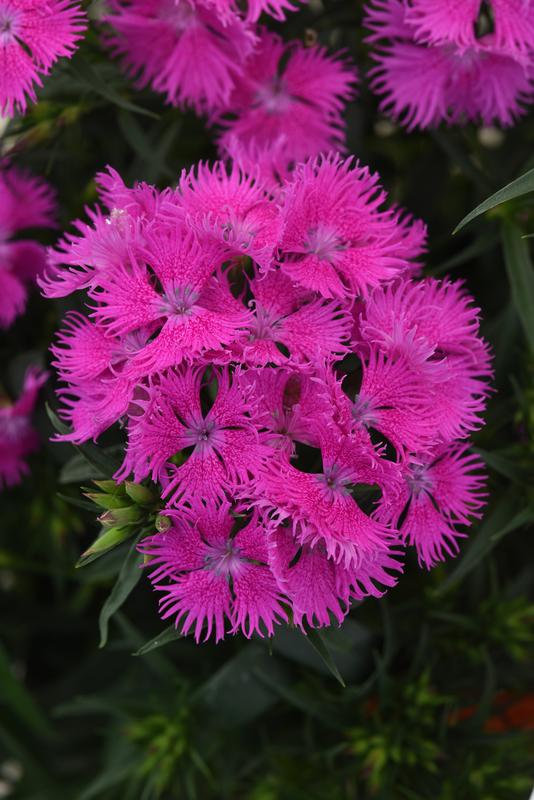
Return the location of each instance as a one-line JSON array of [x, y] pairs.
[[185, 49], [438, 61], [25, 202], [289, 91], [17, 437], [33, 35], [300, 398]]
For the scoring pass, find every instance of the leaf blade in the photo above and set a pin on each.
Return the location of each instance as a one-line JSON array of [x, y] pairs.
[[522, 185], [128, 578], [521, 276]]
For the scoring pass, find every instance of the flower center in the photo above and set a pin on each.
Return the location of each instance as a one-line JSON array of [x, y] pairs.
[[13, 429], [418, 479], [264, 324], [204, 435], [273, 96], [225, 560], [9, 25], [363, 412], [336, 479], [236, 231], [323, 242], [180, 301]]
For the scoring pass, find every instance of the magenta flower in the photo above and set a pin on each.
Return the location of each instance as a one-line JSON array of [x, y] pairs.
[[289, 326], [214, 573], [336, 239], [291, 91], [218, 451], [25, 202], [468, 76], [234, 209], [320, 506], [190, 312], [159, 42], [17, 437], [33, 35], [442, 493], [104, 244], [318, 588], [434, 325], [92, 365], [301, 399], [464, 22]]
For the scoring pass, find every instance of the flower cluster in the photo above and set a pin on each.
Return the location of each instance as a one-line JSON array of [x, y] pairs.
[[302, 398], [33, 35], [452, 61], [17, 437], [25, 202], [275, 101]]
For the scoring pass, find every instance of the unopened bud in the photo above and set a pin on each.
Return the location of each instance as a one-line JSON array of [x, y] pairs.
[[141, 495], [120, 516], [163, 523]]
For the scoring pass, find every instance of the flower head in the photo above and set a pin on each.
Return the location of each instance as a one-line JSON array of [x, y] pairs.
[[442, 493], [159, 43], [33, 35], [17, 437], [474, 67], [291, 91], [214, 574], [301, 399], [337, 240], [25, 202]]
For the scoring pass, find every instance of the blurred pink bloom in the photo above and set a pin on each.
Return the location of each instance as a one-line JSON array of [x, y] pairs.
[[17, 437], [462, 22], [433, 67], [33, 35], [184, 49], [25, 202], [290, 91]]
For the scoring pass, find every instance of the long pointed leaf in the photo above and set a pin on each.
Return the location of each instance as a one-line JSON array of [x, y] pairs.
[[520, 186], [319, 645], [521, 276], [127, 580], [170, 634]]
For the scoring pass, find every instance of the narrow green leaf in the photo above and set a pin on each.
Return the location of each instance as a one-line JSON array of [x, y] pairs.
[[521, 276], [517, 188], [170, 634], [14, 696], [127, 580], [318, 643], [78, 469], [57, 424], [89, 77], [501, 464]]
